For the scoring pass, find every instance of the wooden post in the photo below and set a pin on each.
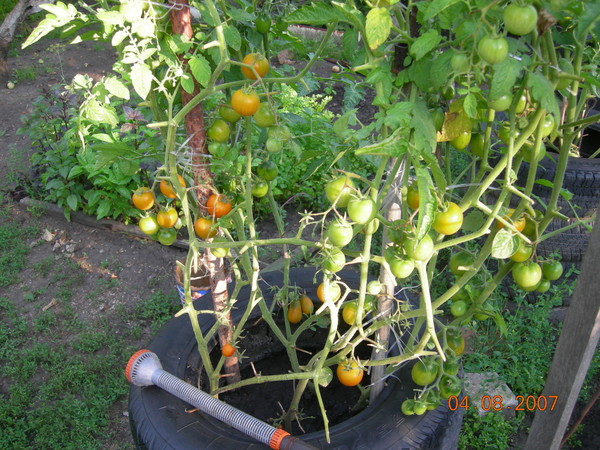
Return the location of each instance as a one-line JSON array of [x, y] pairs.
[[574, 352]]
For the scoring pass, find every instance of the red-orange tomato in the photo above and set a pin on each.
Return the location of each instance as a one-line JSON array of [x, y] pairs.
[[245, 103], [167, 190], [204, 228], [167, 218], [349, 373], [227, 350], [260, 64], [218, 205], [143, 198]]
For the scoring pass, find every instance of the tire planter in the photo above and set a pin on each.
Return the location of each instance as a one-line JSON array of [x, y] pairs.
[[160, 421]]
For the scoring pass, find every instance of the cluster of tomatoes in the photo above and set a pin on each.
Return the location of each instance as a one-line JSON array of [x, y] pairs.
[[163, 224], [438, 378]]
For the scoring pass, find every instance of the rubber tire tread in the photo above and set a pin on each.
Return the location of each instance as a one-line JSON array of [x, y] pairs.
[[159, 421]]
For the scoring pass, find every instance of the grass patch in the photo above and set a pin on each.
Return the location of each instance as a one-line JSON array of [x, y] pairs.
[[13, 250]]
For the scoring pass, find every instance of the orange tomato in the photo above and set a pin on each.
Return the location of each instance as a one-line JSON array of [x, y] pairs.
[[167, 218], [205, 228], [294, 313], [227, 350], [260, 64], [167, 190], [519, 224], [218, 205], [143, 198]]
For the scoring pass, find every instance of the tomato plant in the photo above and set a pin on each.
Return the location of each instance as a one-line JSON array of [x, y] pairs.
[[245, 103], [260, 65], [349, 373], [492, 49], [361, 210], [143, 198], [448, 221], [218, 205]]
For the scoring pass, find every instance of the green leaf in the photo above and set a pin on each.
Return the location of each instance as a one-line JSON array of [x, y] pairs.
[[75, 171], [424, 128], [232, 37], [473, 221], [102, 114], [340, 126], [92, 196], [118, 37], [505, 244], [107, 153], [426, 201], [500, 323], [394, 146], [504, 78], [316, 14], [399, 113], [378, 27], [72, 201], [128, 167], [109, 18], [116, 87], [542, 91], [141, 77], [587, 21], [200, 69], [441, 70], [437, 6], [438, 175], [103, 209], [470, 105], [350, 43], [187, 83], [425, 43]]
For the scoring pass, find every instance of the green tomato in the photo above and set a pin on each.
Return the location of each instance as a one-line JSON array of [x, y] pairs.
[[401, 266], [451, 367], [460, 261], [548, 125], [260, 188], [362, 210], [521, 104], [220, 252], [228, 113], [459, 62], [543, 286], [166, 236], [396, 231], [528, 156], [492, 50], [462, 140], [421, 251], [501, 103], [334, 260], [527, 275], [273, 145], [408, 407], [437, 115], [477, 141], [420, 408], [149, 225], [449, 386], [219, 131], [339, 233], [264, 117], [520, 20], [374, 287], [552, 270], [267, 170], [449, 221], [523, 252], [424, 372], [459, 308], [262, 25], [339, 189]]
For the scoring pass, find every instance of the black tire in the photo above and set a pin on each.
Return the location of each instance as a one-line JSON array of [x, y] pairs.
[[159, 421]]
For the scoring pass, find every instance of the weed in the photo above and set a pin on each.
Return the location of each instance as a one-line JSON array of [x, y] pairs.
[[28, 73], [491, 431], [13, 250], [45, 266]]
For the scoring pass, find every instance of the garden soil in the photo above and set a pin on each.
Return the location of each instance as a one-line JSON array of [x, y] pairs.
[[127, 269]]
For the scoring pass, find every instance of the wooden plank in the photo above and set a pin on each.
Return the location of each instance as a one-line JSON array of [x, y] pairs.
[[574, 352]]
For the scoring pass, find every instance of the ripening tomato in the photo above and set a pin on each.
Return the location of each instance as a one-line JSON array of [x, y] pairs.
[[349, 373], [148, 225], [412, 197], [455, 342], [424, 372], [339, 189], [520, 20], [349, 312], [519, 224], [258, 62], [167, 218], [339, 233], [264, 117], [333, 293], [205, 228], [228, 350], [217, 205], [167, 190], [492, 50], [306, 304], [294, 312], [245, 103], [143, 198], [449, 221], [220, 252]]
